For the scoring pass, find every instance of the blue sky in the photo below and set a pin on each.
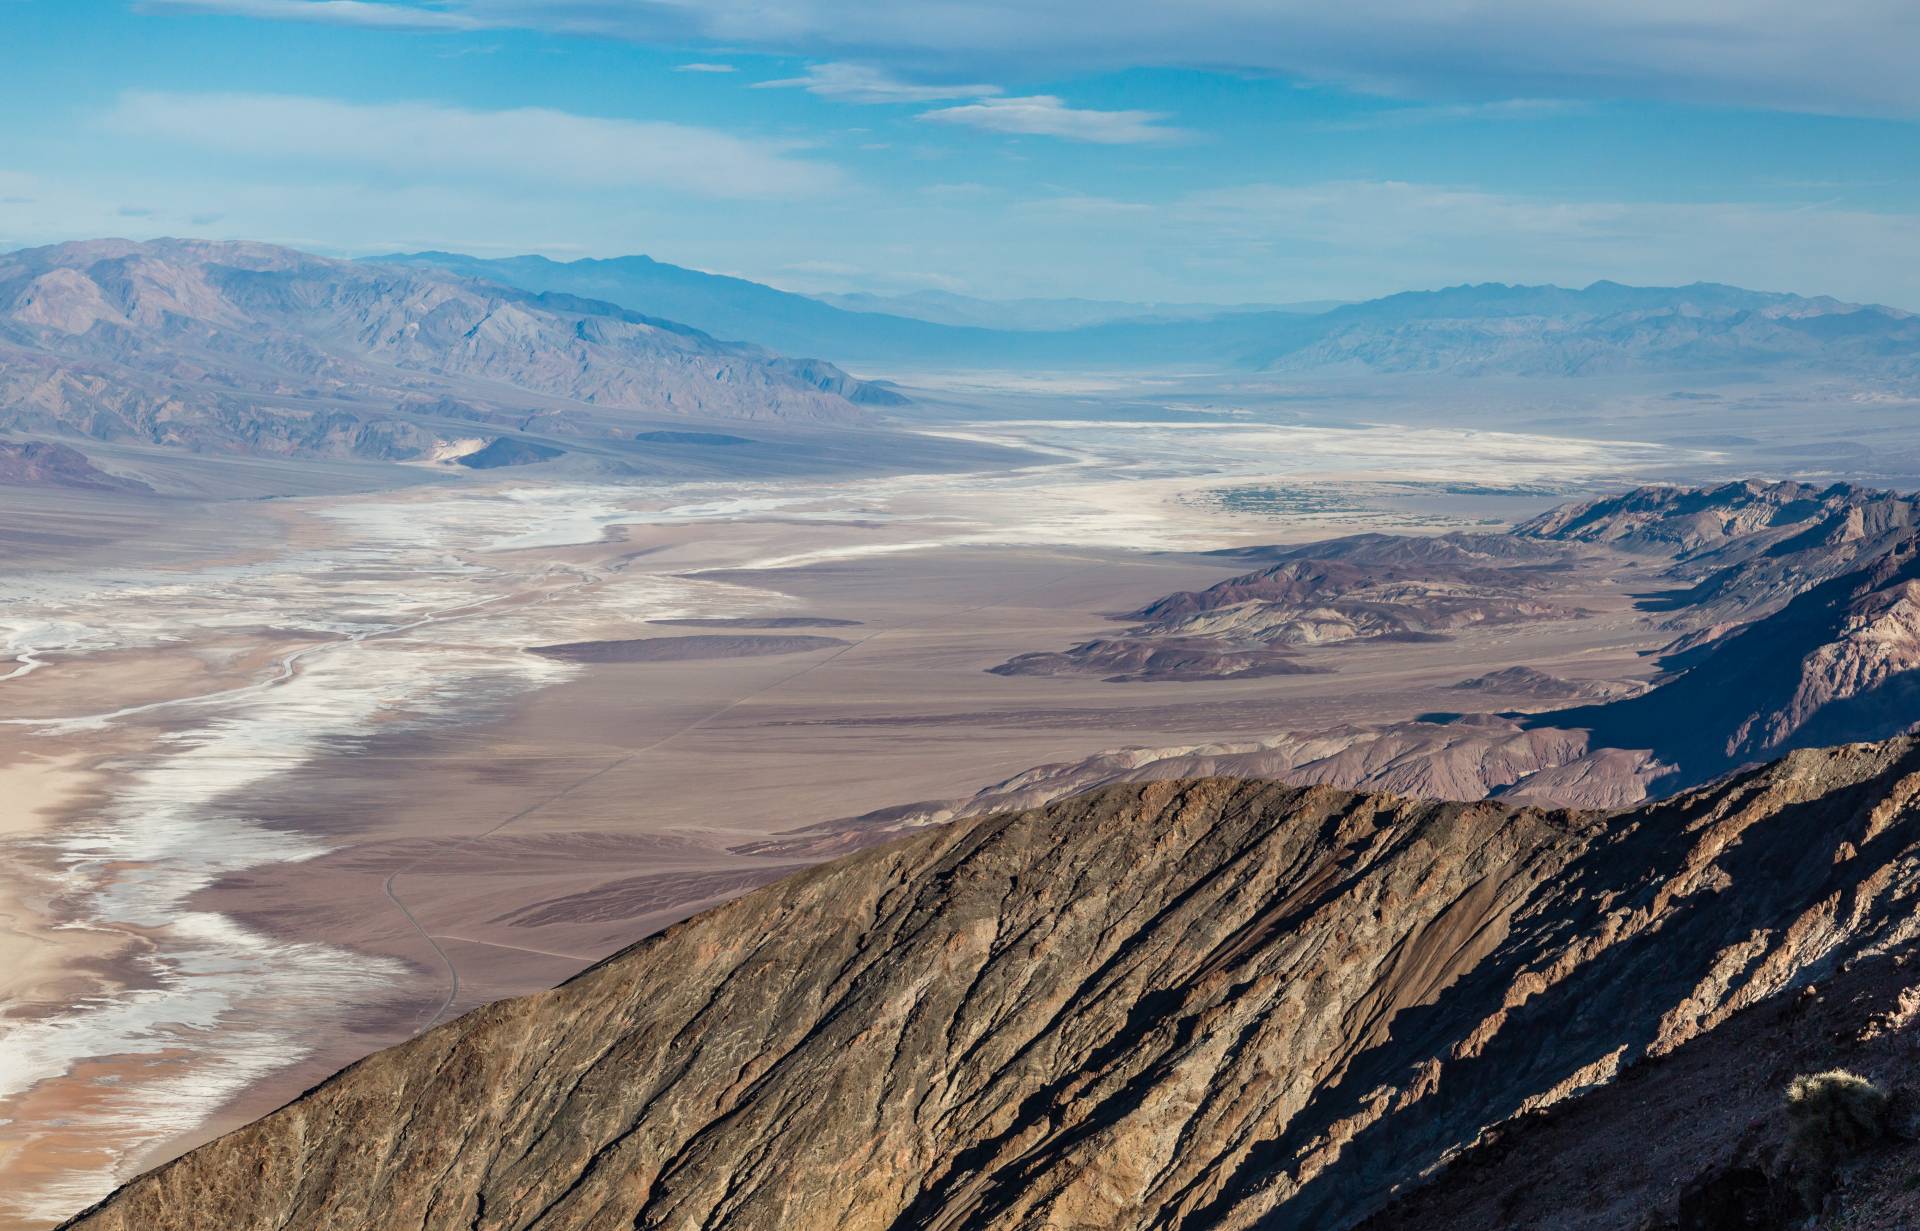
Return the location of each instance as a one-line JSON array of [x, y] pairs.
[[1222, 150]]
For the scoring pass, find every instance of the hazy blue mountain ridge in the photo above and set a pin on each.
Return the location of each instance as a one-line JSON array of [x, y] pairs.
[[1470, 330]]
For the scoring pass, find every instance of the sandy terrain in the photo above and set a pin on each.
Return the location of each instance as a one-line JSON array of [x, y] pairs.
[[696, 647], [310, 793]]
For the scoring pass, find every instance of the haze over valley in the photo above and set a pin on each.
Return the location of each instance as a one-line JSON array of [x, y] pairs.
[[1029, 666]]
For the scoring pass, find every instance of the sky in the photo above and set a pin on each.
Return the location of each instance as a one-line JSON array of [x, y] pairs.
[[1226, 151]]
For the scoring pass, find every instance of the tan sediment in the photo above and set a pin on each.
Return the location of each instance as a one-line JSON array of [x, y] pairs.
[[32, 787], [42, 962]]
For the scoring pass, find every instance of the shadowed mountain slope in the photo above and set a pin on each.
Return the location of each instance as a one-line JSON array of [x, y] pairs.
[[1189, 1004], [1701, 1139]]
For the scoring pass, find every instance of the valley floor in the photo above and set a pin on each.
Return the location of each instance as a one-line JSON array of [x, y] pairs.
[[296, 790]]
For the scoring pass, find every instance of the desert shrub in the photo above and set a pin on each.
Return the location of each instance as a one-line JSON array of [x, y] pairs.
[[1834, 1114]]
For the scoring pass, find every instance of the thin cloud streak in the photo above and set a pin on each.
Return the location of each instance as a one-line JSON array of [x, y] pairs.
[[860, 83], [1844, 57], [328, 12], [1045, 115], [421, 141]]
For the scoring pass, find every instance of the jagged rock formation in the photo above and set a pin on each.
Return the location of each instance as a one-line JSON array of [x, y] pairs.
[[1741, 548], [231, 347], [1837, 662], [1189, 1004], [1700, 1139]]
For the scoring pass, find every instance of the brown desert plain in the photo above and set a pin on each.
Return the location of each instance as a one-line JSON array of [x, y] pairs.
[[286, 782]]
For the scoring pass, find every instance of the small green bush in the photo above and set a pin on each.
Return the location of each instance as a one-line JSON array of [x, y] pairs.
[[1834, 1114]]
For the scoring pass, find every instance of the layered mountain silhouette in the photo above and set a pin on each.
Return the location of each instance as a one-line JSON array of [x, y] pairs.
[[1487, 329]]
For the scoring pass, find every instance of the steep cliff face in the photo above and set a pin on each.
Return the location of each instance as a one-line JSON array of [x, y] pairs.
[[1189, 1004]]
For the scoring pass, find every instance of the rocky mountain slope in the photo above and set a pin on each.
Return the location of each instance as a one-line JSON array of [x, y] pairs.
[[225, 347], [1701, 1138], [1193, 1004]]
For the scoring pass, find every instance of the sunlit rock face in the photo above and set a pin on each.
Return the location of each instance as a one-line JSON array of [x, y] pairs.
[[1197, 1003]]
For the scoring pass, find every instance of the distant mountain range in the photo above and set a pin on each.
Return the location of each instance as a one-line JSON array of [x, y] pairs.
[[246, 348], [1483, 330]]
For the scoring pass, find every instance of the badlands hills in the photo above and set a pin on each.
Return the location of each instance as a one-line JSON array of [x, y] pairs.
[[1790, 615]]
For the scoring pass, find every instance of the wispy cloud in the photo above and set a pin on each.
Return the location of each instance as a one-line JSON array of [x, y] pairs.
[[860, 83], [330, 12], [704, 68], [1849, 56], [421, 141], [1044, 115], [1497, 111]]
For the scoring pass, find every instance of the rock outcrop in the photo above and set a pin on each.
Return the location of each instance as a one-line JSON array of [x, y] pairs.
[[1130, 660], [1193, 1004], [42, 463]]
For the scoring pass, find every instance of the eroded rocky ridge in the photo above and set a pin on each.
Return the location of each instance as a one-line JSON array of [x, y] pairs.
[[1725, 555], [1371, 587], [1793, 613], [1192, 1004]]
